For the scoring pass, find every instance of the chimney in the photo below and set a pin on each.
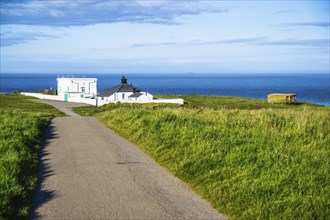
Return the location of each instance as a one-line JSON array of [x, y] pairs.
[[123, 80]]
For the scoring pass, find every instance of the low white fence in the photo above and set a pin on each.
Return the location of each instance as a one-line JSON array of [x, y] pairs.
[[170, 101], [82, 100], [42, 96], [98, 102], [60, 98], [101, 102], [174, 101]]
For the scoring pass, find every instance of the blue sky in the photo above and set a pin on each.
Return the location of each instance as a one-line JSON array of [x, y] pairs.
[[92, 36]]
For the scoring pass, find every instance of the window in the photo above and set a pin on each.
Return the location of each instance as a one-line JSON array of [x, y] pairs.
[[83, 89], [123, 96]]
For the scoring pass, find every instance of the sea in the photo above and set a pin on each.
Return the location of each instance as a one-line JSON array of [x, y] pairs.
[[314, 88]]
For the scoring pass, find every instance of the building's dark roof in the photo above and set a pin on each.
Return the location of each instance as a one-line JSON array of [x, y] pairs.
[[135, 95], [123, 87]]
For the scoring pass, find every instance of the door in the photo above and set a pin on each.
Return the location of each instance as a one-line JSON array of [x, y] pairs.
[[65, 97]]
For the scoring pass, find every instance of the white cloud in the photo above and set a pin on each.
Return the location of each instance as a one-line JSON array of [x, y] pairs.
[[253, 41], [86, 12]]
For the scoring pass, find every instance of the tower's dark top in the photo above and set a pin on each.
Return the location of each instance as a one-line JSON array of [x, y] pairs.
[[123, 80]]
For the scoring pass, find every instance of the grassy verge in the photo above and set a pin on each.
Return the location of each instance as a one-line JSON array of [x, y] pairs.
[[250, 159], [230, 102], [21, 123]]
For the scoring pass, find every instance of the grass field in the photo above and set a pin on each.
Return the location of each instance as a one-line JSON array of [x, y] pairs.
[[231, 102], [248, 158], [21, 123]]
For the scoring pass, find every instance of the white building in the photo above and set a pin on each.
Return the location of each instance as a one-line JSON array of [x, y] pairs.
[[76, 88], [84, 90], [125, 93]]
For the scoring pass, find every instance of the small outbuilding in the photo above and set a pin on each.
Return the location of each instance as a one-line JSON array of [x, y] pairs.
[[287, 98]]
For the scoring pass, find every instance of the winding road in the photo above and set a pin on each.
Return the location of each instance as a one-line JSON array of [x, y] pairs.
[[89, 172]]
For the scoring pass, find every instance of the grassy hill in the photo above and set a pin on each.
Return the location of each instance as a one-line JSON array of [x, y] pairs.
[[248, 158], [21, 124]]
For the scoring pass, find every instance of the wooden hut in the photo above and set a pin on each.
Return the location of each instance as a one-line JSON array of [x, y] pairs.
[[282, 98]]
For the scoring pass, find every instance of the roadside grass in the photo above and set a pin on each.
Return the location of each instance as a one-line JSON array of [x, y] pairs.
[[269, 163], [21, 124], [231, 102]]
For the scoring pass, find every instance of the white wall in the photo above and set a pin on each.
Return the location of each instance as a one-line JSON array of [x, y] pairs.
[[150, 97], [82, 100], [108, 99], [143, 98], [42, 96], [60, 98], [120, 96], [173, 101], [103, 102], [99, 101]]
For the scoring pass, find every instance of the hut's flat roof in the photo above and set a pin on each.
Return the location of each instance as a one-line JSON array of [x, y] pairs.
[[76, 79], [284, 94]]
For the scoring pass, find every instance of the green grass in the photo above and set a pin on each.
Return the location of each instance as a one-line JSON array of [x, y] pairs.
[[230, 102], [268, 163], [21, 123]]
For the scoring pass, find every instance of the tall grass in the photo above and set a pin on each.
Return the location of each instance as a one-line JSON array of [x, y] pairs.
[[231, 102], [21, 123], [267, 163]]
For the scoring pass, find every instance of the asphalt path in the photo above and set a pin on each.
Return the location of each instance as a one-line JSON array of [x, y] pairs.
[[89, 172]]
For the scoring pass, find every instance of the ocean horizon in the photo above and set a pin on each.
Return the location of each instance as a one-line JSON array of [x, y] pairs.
[[314, 88]]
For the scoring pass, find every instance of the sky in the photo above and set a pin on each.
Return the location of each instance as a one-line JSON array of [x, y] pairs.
[[165, 36]]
